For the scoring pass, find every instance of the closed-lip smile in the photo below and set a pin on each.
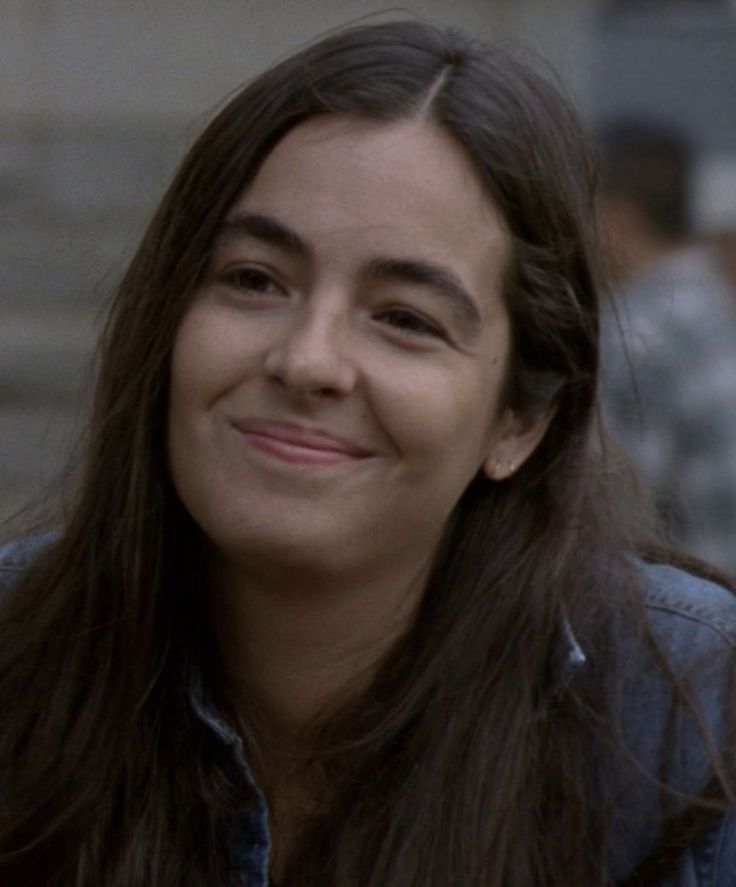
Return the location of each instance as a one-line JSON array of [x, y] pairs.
[[295, 443]]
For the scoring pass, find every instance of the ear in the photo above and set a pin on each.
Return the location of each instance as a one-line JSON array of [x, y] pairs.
[[517, 442]]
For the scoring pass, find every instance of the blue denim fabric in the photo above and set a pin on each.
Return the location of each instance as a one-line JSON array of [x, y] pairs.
[[694, 623]]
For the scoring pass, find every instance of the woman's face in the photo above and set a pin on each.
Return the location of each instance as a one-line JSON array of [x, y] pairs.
[[336, 381]]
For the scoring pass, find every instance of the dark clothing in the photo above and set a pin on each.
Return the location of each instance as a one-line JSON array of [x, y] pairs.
[[694, 623]]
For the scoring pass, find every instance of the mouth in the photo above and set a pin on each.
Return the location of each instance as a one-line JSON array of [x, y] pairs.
[[298, 444]]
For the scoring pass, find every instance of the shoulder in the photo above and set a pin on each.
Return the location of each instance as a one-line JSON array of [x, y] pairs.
[[685, 611], [689, 642], [711, 861], [688, 639]]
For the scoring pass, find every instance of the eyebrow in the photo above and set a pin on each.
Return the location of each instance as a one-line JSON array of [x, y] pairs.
[[438, 278], [265, 228]]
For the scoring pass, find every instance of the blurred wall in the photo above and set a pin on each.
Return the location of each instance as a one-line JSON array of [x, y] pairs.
[[676, 66]]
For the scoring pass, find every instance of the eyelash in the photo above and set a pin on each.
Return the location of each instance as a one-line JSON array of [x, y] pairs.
[[256, 280], [412, 323], [404, 321]]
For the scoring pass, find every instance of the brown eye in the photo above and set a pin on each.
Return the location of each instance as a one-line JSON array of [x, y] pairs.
[[253, 280], [411, 322]]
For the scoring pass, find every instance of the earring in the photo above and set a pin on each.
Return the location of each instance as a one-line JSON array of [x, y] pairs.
[[498, 469]]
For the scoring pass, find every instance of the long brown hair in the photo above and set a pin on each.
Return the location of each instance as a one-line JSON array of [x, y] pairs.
[[458, 765]]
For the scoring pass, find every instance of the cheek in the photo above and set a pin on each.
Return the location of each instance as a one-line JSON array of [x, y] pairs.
[[207, 359], [442, 417]]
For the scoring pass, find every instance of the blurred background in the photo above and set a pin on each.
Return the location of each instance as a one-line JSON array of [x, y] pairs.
[[98, 100]]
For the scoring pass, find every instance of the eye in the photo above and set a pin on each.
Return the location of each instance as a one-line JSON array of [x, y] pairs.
[[411, 322], [253, 280]]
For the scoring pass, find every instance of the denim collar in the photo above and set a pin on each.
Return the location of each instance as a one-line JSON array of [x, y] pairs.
[[567, 660]]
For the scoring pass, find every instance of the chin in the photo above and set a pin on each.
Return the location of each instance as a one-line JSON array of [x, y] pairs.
[[276, 547]]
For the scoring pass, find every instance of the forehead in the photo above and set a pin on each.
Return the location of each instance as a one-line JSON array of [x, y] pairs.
[[405, 187], [418, 158]]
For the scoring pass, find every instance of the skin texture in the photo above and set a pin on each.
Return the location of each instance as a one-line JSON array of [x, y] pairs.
[[329, 407]]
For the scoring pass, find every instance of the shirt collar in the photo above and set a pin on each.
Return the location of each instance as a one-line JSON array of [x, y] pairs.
[[568, 659]]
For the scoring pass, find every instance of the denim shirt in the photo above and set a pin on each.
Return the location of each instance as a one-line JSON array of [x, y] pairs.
[[694, 622]]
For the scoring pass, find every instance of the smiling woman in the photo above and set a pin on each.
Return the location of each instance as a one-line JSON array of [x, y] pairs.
[[352, 591], [349, 334]]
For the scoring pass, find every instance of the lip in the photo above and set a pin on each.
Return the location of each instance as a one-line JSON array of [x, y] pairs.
[[298, 444]]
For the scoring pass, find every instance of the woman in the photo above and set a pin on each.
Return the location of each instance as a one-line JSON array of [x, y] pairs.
[[350, 592]]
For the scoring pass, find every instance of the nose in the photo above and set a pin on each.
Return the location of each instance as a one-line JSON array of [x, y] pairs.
[[311, 355]]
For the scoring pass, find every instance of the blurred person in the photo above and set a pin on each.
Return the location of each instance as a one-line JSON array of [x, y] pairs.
[[349, 593], [725, 246], [715, 211], [669, 340]]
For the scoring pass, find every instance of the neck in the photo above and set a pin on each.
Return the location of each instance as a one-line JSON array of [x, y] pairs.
[[294, 647]]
